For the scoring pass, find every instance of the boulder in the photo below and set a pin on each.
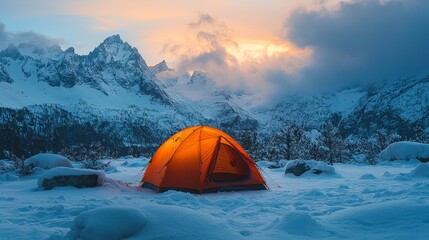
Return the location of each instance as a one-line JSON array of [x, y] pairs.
[[80, 178], [298, 167], [79, 181]]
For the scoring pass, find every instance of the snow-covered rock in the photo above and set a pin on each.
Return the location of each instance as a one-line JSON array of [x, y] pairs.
[[406, 151], [48, 161], [107, 223], [63, 176], [298, 167]]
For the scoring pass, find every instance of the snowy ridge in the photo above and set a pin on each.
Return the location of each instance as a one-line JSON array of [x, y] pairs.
[[160, 67]]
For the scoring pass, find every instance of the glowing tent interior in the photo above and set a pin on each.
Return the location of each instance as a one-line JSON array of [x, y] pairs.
[[202, 159]]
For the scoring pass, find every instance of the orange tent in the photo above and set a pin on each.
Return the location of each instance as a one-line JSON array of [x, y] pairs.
[[202, 159]]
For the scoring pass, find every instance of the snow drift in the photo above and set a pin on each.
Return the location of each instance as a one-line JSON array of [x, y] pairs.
[[107, 223], [48, 161], [406, 151]]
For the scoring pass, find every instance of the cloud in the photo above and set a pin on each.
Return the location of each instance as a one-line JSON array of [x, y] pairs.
[[7, 38], [362, 42], [203, 19], [209, 46], [204, 48]]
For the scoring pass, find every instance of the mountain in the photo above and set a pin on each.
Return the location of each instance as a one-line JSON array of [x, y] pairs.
[[400, 107], [397, 107], [51, 100], [160, 67]]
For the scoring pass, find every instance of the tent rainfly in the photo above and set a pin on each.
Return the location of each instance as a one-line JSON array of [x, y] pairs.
[[202, 159]]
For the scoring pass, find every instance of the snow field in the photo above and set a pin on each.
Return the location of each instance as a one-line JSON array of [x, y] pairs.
[[349, 204]]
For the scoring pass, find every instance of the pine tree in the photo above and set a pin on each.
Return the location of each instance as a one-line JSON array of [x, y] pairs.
[[333, 146]]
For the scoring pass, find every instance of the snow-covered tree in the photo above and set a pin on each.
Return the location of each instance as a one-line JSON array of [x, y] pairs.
[[333, 146]]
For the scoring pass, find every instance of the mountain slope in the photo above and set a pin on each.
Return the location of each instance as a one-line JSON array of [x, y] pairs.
[[111, 93]]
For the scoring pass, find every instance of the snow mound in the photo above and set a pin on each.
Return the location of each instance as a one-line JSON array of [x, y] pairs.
[[298, 167], [389, 220], [59, 172], [107, 223], [301, 223], [367, 176], [8, 177], [421, 170], [48, 161], [174, 222], [406, 151]]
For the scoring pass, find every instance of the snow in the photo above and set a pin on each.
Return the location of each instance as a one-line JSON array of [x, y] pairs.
[[107, 223], [391, 202], [367, 176], [48, 161], [65, 171], [8, 177], [405, 151], [422, 170]]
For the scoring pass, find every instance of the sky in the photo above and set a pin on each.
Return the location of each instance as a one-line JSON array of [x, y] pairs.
[[273, 45]]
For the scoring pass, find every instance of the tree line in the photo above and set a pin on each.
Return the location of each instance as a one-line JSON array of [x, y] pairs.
[[294, 141]]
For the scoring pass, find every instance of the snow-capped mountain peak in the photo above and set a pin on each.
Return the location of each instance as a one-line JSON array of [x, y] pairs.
[[37, 50], [10, 52], [200, 78], [113, 49], [114, 39], [160, 67]]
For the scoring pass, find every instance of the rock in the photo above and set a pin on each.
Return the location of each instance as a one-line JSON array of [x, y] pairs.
[[79, 181], [297, 169], [61, 176]]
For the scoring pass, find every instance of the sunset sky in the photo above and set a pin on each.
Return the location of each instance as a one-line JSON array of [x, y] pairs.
[[254, 25], [282, 42]]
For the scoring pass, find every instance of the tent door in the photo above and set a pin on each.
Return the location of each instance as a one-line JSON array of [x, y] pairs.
[[229, 165]]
